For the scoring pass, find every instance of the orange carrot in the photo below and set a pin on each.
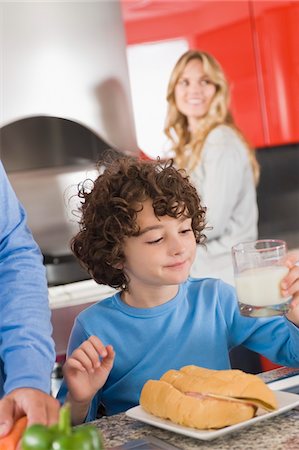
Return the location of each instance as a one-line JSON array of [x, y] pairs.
[[11, 440]]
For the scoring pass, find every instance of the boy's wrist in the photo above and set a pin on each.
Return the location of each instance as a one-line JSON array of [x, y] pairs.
[[82, 404], [79, 409]]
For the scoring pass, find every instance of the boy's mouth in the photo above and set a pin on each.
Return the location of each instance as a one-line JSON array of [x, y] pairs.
[[176, 265]]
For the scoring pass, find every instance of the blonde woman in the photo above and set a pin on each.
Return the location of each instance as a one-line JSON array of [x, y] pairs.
[[221, 164]]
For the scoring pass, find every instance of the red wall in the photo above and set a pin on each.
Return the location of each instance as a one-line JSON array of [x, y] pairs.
[[257, 44]]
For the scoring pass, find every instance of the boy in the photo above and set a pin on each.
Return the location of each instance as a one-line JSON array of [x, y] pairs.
[[139, 229]]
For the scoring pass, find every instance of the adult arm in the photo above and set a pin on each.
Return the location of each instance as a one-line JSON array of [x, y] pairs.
[[26, 348]]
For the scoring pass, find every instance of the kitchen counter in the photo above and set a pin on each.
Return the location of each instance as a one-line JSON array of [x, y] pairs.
[[279, 433]]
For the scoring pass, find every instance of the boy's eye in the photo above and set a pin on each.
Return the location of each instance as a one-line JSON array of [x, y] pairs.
[[187, 230], [155, 241]]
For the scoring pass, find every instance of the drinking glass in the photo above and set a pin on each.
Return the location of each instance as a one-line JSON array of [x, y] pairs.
[[259, 268]]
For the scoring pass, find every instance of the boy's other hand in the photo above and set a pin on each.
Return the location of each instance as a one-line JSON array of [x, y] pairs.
[[87, 369], [290, 286]]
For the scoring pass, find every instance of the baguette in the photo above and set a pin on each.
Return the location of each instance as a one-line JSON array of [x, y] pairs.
[[163, 400], [203, 398], [233, 383]]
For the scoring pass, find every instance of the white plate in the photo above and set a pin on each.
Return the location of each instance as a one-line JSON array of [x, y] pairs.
[[285, 401]]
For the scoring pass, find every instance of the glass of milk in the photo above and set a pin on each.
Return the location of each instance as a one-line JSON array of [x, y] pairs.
[[259, 268]]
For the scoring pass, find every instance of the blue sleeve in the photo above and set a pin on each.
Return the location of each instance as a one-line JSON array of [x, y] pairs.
[[77, 337], [26, 347], [276, 337]]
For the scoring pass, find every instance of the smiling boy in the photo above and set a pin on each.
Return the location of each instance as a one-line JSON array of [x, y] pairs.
[[140, 226]]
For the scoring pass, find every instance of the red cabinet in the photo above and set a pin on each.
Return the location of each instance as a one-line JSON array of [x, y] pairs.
[[277, 54], [257, 44], [232, 44]]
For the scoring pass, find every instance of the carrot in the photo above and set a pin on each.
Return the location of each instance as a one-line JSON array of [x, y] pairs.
[[11, 440]]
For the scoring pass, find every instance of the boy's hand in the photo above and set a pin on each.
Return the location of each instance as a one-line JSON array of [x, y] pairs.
[[290, 287], [87, 369]]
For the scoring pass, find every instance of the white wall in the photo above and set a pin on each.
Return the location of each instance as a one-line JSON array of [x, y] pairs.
[[150, 66]]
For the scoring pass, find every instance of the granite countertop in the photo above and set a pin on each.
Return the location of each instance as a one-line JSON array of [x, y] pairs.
[[279, 433]]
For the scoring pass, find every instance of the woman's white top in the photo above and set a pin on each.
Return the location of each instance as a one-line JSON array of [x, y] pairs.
[[225, 183]]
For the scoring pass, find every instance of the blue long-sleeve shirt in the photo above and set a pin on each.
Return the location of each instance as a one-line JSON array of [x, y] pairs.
[[26, 347], [200, 325]]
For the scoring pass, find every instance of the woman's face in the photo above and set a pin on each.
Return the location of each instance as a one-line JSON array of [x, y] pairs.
[[194, 92]]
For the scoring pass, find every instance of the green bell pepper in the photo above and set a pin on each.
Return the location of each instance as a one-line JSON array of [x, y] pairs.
[[91, 434], [37, 437], [84, 438], [72, 443], [61, 436]]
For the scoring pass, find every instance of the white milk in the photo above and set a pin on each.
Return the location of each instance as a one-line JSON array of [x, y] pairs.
[[261, 286]]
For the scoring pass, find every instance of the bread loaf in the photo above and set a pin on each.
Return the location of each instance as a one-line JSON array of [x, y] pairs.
[[204, 399]]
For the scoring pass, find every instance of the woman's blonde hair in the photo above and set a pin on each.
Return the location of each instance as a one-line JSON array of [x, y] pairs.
[[176, 125]]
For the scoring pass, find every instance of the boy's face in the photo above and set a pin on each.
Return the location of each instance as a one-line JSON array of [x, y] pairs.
[[163, 252]]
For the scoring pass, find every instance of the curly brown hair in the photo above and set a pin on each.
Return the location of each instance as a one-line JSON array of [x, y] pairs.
[[109, 212]]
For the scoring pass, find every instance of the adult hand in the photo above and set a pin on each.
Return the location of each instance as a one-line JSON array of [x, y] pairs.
[[35, 404], [290, 286]]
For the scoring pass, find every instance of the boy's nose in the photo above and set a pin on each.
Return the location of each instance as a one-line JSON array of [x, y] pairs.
[[177, 247]]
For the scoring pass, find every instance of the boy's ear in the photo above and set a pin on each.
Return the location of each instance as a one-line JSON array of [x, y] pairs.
[[118, 266]]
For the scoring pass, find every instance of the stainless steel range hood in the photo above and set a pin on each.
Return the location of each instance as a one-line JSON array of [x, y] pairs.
[[64, 100], [67, 60]]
